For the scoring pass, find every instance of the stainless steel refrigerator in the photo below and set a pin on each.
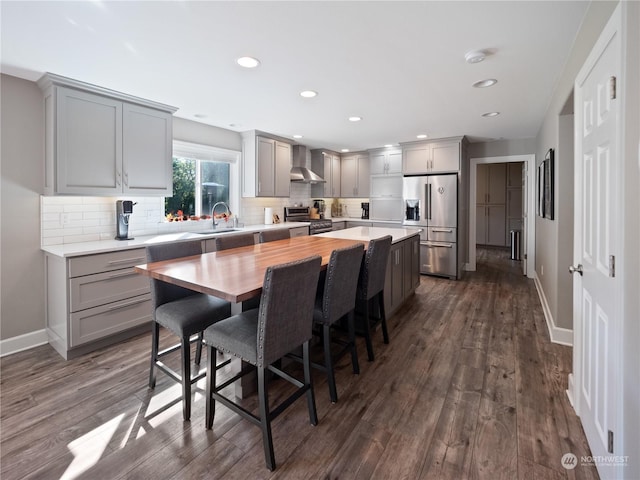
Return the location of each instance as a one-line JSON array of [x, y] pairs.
[[431, 202]]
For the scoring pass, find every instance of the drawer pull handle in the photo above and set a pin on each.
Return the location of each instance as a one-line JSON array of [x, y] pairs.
[[126, 260], [123, 305], [122, 274], [442, 230]]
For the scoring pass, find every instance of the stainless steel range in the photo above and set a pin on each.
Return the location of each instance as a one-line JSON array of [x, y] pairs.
[[302, 214]]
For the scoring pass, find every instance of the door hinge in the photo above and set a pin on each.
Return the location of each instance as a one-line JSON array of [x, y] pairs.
[[612, 266], [610, 442], [525, 256], [612, 88]]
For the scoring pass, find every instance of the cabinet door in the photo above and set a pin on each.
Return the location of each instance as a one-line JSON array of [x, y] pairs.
[[88, 143], [514, 174], [481, 225], [146, 151], [282, 169], [514, 203], [397, 267], [364, 176], [335, 176], [386, 186], [496, 225], [265, 153], [349, 176], [445, 157], [482, 184], [378, 163], [497, 183], [415, 159], [415, 262], [394, 162]]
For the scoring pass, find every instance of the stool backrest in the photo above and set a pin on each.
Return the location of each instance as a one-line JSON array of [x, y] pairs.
[[285, 317], [163, 292], [341, 282], [224, 242], [275, 234], [374, 267]]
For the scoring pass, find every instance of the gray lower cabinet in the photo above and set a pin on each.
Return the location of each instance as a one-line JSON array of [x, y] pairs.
[[403, 273], [356, 223], [95, 300], [299, 232], [339, 225]]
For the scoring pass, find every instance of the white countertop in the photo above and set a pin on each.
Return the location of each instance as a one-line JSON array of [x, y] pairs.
[[365, 234], [358, 219], [103, 246]]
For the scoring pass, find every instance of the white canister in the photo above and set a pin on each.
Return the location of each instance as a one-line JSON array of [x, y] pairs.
[[268, 215]]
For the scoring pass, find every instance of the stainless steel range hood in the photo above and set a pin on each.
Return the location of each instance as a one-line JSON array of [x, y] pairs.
[[299, 172]]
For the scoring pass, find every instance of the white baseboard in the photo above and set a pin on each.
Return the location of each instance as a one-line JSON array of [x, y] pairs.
[[467, 268], [23, 342], [563, 336], [570, 389]]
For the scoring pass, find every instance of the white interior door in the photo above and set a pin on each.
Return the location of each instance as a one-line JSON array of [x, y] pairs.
[[597, 240]]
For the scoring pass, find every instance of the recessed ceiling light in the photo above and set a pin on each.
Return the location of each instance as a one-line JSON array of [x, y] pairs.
[[344, 150], [308, 93], [485, 83], [388, 145], [297, 136], [491, 114], [355, 119], [200, 115], [422, 135], [248, 62], [475, 56]]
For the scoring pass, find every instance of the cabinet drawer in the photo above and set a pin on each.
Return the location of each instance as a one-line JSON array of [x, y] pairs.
[[104, 262], [299, 232], [442, 234], [101, 288], [96, 323]]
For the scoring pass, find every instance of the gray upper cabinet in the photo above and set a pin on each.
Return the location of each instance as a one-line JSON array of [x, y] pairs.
[[266, 166], [329, 164], [385, 162], [440, 156], [101, 142], [354, 176]]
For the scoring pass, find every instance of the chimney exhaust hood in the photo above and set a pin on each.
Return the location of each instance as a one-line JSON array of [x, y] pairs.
[[299, 173]]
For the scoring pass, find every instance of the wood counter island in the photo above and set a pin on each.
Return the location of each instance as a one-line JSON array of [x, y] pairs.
[[403, 266]]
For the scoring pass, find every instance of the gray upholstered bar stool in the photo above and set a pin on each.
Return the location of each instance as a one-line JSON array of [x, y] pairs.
[[274, 234], [371, 290], [262, 336], [183, 312], [336, 299], [236, 240]]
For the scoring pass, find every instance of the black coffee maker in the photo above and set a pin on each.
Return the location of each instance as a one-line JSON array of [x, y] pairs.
[[365, 210], [124, 209]]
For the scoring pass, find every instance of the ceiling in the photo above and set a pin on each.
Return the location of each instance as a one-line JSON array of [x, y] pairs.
[[399, 65]]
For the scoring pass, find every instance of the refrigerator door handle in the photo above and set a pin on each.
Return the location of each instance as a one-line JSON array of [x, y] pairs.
[[442, 230], [429, 201]]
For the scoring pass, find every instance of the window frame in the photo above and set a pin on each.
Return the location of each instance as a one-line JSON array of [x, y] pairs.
[[202, 152]]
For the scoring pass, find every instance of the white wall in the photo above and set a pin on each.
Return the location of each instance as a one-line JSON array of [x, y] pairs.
[[549, 233], [22, 167]]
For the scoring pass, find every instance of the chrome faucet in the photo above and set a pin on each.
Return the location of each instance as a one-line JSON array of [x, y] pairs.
[[213, 211]]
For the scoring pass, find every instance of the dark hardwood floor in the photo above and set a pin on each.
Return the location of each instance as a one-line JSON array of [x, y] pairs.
[[469, 387]]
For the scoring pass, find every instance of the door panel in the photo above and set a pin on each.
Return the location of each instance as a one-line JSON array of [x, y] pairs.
[[596, 292], [442, 205]]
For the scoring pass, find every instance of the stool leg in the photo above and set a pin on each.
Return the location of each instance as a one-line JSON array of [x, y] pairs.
[[211, 386], [383, 317], [328, 363], [155, 340], [265, 421], [352, 340], [311, 401], [367, 332], [186, 379], [199, 349]]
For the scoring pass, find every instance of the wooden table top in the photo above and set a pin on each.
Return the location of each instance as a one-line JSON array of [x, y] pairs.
[[237, 274]]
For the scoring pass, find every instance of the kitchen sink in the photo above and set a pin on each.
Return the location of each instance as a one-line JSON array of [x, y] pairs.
[[218, 230]]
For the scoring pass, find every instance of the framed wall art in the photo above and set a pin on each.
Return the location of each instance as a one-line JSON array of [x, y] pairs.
[[547, 190], [540, 190]]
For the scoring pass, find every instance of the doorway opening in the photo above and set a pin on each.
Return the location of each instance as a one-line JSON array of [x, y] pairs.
[[500, 197]]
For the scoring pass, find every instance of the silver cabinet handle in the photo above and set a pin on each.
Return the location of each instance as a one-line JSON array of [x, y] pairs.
[[577, 269], [126, 273], [127, 260], [128, 304]]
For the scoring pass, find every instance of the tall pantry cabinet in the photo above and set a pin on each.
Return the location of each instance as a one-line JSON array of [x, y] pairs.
[[491, 208]]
